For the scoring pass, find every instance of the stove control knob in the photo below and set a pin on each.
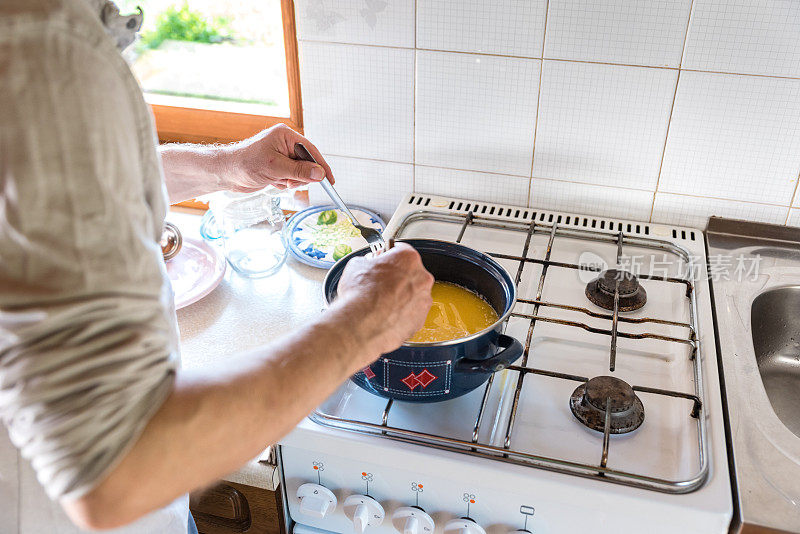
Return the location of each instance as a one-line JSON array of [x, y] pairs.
[[463, 526], [363, 511], [411, 520], [315, 500]]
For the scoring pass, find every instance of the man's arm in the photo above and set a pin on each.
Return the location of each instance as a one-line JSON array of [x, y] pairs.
[[218, 418], [249, 165]]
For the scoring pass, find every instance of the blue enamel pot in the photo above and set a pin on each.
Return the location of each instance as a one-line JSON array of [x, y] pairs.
[[432, 372]]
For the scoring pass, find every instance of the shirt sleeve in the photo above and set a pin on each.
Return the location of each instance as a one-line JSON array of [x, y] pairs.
[[88, 342]]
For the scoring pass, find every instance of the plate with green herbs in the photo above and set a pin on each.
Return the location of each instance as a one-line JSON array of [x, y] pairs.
[[322, 235]]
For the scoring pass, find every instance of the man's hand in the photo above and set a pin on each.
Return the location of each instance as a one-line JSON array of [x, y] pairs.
[[267, 158], [264, 159], [392, 293]]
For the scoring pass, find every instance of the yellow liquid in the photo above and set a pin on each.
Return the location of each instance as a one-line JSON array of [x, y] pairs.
[[456, 313]]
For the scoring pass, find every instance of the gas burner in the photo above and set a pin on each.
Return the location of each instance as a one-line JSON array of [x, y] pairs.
[[589, 401], [632, 295]]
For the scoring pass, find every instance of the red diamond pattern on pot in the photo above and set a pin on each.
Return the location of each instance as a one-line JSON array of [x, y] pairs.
[[368, 373], [425, 378], [410, 381]]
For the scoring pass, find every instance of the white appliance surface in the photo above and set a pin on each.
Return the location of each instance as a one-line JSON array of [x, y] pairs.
[[502, 497]]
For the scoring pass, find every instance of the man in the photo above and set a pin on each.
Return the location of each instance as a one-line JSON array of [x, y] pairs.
[[90, 390]]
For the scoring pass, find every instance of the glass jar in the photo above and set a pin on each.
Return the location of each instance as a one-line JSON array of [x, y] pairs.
[[251, 227]]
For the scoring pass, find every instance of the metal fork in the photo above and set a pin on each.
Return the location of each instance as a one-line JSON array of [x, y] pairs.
[[373, 237]]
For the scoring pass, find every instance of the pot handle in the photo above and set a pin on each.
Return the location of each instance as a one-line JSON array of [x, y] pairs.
[[511, 351]]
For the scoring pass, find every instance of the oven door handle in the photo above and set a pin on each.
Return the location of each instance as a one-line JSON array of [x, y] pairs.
[[511, 350]]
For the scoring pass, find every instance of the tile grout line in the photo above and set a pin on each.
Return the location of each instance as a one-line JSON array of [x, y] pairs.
[[729, 200], [517, 176], [560, 180], [538, 104], [605, 186], [489, 54], [564, 60], [414, 109], [432, 166], [672, 109], [791, 201], [568, 181], [664, 150], [742, 74], [611, 63]]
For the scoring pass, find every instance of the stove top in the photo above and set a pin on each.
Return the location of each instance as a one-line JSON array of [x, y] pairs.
[[611, 386]]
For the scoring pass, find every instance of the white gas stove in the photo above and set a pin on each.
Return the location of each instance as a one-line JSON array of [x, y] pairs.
[[541, 448]]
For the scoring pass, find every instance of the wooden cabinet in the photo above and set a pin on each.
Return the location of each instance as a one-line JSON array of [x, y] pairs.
[[229, 508]]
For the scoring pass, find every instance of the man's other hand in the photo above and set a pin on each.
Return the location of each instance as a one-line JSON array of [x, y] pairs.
[[392, 292], [267, 158]]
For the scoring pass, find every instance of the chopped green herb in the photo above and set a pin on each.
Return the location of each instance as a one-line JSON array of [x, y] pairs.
[[341, 251], [327, 217]]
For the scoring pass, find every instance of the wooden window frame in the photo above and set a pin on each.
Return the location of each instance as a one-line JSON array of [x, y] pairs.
[[177, 124]]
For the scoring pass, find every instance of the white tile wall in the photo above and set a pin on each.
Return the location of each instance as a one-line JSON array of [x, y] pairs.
[[471, 185], [735, 137], [618, 31], [603, 124], [476, 112], [695, 211], [509, 27], [376, 185], [794, 217], [376, 22], [458, 89], [358, 100], [590, 199], [745, 36]]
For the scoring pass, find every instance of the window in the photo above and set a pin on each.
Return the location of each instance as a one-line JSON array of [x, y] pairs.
[[217, 70]]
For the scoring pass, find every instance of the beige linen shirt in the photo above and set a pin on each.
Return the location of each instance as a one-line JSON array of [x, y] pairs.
[[88, 337]]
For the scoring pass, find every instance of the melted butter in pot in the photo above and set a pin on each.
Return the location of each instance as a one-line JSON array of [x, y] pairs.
[[456, 313]]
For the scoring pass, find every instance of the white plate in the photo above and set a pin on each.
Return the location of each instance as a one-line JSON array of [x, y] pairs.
[[195, 271]]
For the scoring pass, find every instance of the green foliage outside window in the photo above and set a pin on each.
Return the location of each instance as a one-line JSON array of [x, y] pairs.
[[183, 24]]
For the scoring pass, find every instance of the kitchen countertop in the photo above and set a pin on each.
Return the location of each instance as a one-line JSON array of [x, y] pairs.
[[241, 314]]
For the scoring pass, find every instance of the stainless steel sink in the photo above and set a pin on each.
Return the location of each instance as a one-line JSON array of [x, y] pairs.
[[775, 327], [757, 316]]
